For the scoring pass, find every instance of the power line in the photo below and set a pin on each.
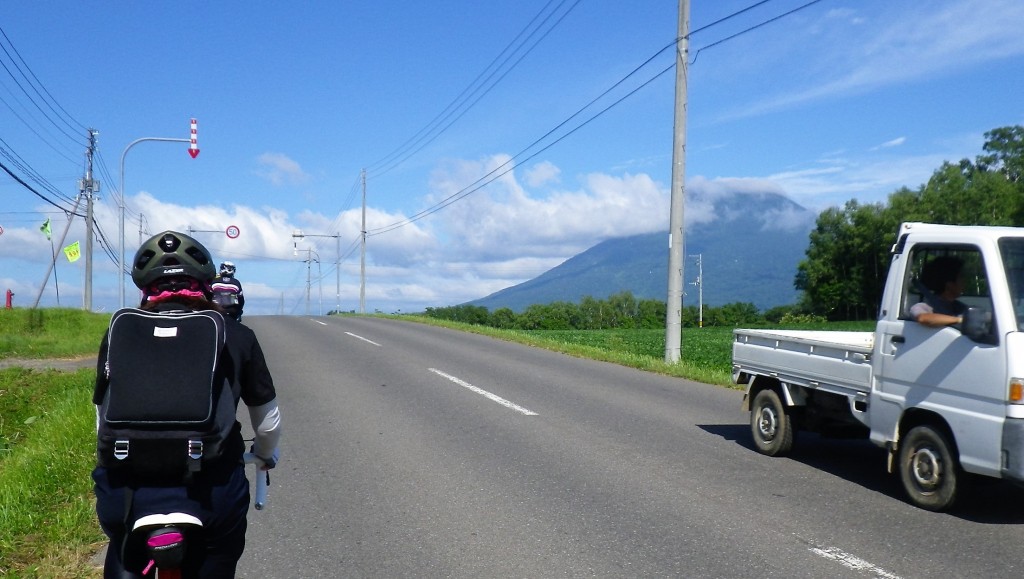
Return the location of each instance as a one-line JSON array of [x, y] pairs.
[[752, 28], [36, 193], [495, 174], [36, 90], [433, 129]]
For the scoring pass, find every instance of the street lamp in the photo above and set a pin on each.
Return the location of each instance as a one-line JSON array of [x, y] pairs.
[[120, 263], [309, 261], [298, 234]]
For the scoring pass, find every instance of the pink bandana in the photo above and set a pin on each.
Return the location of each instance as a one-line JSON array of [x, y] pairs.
[[155, 294]]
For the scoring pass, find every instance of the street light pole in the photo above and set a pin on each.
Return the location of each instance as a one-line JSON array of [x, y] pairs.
[[120, 263], [298, 234]]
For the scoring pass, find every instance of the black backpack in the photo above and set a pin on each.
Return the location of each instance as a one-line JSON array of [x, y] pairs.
[[168, 408]]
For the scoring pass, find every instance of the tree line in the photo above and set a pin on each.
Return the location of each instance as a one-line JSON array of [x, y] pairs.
[[619, 311], [847, 259]]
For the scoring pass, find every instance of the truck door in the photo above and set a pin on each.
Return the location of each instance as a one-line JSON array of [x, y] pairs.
[[940, 369]]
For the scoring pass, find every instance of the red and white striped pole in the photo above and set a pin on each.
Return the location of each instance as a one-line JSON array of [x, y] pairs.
[[193, 146]]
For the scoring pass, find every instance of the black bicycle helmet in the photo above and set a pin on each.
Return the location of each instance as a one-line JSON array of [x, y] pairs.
[[171, 254]]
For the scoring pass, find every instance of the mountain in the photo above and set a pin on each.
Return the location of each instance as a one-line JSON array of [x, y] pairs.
[[749, 246]]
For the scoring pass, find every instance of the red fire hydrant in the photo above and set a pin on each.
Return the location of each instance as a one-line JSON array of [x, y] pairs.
[[10, 298]]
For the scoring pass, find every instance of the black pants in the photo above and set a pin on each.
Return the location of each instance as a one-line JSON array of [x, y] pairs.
[[220, 502]]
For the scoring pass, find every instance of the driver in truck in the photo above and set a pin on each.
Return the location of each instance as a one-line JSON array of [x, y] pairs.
[[943, 278]]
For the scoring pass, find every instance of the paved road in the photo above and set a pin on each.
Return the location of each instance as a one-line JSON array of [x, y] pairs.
[[63, 364], [414, 451]]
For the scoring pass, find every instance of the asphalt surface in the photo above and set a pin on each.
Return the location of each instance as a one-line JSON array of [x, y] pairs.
[[397, 463], [414, 451]]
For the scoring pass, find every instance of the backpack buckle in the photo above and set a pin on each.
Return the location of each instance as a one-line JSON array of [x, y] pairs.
[[120, 449], [195, 455]]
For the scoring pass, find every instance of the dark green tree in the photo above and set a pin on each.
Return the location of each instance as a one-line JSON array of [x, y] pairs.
[[843, 274]]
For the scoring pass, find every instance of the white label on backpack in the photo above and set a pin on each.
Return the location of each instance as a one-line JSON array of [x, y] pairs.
[[159, 332]]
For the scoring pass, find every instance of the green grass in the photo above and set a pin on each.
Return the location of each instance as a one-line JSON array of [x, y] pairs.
[[50, 333], [47, 521]]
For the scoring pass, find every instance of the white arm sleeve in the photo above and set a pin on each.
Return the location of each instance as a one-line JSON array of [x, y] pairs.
[[266, 425]]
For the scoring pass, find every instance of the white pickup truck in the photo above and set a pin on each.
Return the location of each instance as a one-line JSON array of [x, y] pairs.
[[945, 402]]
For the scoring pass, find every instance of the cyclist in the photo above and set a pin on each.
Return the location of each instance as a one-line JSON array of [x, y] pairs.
[[227, 291], [174, 273]]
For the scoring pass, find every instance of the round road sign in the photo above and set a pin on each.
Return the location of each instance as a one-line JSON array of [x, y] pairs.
[[232, 231]]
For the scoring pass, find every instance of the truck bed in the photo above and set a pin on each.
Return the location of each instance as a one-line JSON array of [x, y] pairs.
[[837, 362]]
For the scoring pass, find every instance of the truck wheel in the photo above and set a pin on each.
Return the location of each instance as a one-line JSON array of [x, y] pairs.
[[929, 471], [770, 424]]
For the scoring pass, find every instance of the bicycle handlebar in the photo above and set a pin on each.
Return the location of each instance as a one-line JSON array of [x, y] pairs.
[[262, 479]]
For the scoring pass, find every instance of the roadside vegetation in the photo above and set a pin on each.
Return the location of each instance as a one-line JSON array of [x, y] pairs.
[[47, 428]]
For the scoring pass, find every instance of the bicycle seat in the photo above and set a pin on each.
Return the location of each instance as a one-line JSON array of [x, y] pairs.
[[165, 537]]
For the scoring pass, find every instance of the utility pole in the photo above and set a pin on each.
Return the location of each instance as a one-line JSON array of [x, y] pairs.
[[88, 188], [674, 303], [309, 263], [362, 253]]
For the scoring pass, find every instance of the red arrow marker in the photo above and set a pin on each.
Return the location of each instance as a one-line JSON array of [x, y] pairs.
[[193, 147]]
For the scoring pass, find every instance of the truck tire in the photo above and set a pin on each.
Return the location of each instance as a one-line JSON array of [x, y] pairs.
[[928, 469], [771, 424]]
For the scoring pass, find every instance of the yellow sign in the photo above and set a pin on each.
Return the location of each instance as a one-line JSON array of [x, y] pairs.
[[72, 252]]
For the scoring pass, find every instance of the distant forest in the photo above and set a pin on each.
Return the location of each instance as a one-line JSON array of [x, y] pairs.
[[619, 311], [847, 260]]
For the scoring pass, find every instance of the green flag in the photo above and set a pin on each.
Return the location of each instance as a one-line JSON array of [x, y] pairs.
[[72, 252], [46, 228]]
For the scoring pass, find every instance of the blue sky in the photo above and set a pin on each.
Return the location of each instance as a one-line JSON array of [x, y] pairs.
[[838, 100]]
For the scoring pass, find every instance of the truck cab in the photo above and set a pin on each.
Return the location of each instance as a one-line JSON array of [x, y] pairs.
[[952, 384], [945, 401]]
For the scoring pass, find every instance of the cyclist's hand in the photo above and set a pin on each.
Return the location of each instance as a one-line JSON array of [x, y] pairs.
[[268, 462]]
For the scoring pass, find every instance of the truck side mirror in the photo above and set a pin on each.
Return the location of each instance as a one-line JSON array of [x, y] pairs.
[[976, 324]]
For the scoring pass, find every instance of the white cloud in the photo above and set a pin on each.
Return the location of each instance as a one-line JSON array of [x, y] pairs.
[[504, 220], [279, 169], [541, 174], [889, 144], [907, 43]]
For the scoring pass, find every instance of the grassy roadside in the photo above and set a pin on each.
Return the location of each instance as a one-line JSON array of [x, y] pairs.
[[47, 523], [50, 333], [47, 427]]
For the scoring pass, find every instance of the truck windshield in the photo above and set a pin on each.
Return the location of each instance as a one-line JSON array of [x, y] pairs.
[[1012, 250]]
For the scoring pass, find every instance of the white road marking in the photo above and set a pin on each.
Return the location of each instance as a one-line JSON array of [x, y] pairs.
[[485, 393], [852, 562], [321, 323], [363, 339]]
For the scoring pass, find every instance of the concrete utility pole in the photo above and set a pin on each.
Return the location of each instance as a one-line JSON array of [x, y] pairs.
[[88, 188], [674, 303], [362, 253]]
